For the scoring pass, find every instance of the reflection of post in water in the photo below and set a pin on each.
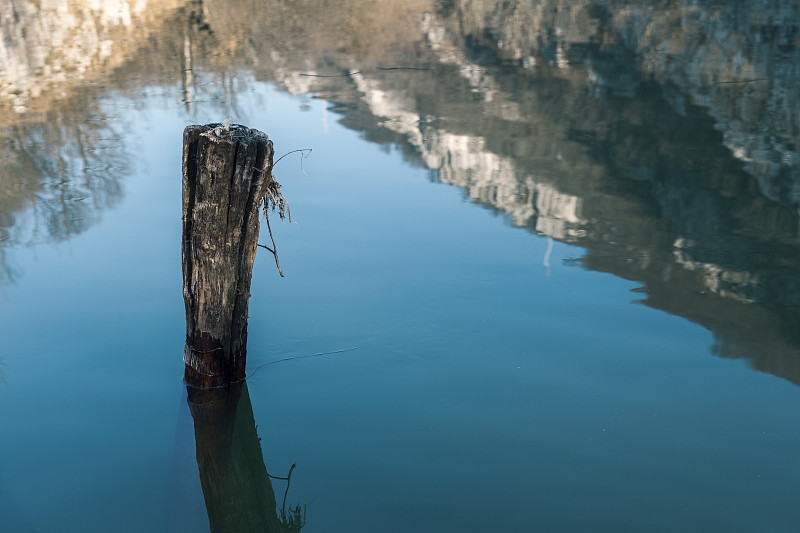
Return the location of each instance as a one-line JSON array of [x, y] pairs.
[[236, 486]]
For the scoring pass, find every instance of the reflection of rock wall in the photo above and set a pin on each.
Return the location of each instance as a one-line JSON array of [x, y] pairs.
[[737, 59], [536, 198], [739, 62], [465, 161], [59, 43], [634, 170]]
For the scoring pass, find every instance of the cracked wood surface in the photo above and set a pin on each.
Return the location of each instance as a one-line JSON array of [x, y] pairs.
[[226, 170]]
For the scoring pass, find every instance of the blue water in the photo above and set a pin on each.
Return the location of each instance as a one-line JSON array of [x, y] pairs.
[[473, 376]]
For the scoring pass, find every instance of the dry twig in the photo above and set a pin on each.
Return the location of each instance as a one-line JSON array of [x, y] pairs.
[[273, 199]]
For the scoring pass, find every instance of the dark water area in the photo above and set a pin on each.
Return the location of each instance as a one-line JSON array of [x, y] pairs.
[[543, 274]]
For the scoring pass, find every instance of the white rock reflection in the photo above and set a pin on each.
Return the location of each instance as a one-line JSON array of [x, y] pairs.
[[735, 284], [464, 160], [55, 43]]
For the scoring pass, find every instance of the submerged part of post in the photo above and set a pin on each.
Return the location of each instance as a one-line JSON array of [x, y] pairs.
[[226, 171]]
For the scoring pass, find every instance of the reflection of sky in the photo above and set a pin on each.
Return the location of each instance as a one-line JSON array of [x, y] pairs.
[[486, 395]]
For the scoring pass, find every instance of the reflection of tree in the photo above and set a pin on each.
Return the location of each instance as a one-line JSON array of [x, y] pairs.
[[58, 173], [236, 486], [7, 272]]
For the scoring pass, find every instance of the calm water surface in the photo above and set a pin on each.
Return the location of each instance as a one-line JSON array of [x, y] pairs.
[[543, 272]]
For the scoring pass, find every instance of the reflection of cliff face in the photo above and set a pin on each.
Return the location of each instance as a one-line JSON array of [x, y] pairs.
[[707, 221], [466, 161], [62, 44], [639, 171], [739, 61]]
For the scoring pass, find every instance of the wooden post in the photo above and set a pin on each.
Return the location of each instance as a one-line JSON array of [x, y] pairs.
[[226, 170]]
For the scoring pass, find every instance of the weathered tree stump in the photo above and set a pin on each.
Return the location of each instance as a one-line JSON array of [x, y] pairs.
[[226, 171]]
